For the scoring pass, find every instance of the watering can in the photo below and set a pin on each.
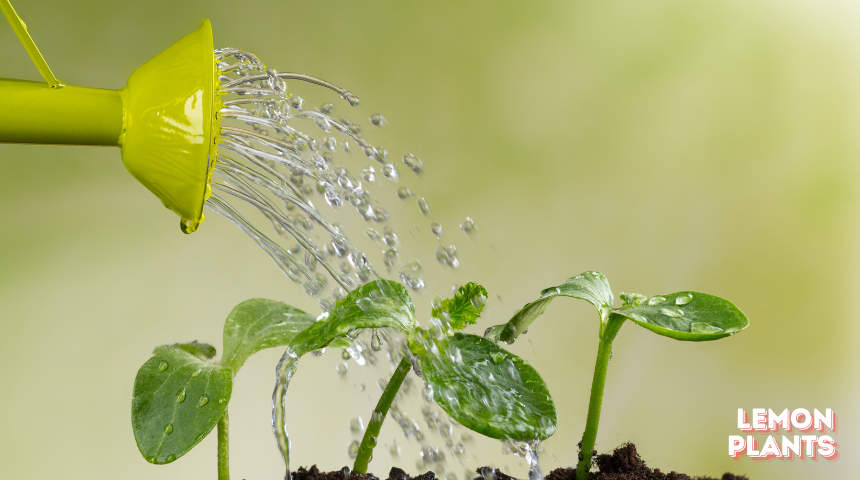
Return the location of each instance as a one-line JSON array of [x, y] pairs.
[[164, 120]]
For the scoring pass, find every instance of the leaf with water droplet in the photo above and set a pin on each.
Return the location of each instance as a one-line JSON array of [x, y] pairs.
[[203, 351], [515, 405], [690, 316], [377, 304], [589, 286], [462, 309], [169, 427], [258, 324]]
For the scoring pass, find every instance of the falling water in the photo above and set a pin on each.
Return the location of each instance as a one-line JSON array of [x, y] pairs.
[[284, 371], [277, 155]]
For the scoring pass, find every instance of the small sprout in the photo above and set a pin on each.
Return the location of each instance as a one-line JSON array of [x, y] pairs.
[[690, 316], [470, 377]]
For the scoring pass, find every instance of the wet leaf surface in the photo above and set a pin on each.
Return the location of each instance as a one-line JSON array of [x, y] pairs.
[[690, 316], [589, 286], [178, 399], [488, 389], [378, 304], [258, 324]]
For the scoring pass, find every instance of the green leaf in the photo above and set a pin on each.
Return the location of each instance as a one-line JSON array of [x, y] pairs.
[[488, 389], [178, 399], [203, 351], [258, 324], [691, 316], [589, 286], [381, 303], [465, 308]]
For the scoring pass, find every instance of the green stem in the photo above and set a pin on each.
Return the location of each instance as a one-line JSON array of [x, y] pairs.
[[224, 447], [365, 451], [604, 350]]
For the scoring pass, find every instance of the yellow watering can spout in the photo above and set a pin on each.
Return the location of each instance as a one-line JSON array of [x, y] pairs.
[[168, 139], [164, 120]]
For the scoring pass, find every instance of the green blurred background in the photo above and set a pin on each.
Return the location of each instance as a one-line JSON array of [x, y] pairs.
[[670, 144]]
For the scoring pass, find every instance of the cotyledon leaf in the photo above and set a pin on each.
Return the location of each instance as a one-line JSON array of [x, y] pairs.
[[377, 304], [258, 324], [178, 399], [589, 286], [488, 389], [465, 308], [691, 316]]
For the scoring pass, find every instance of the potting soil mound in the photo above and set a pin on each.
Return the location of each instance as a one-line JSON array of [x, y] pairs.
[[624, 463]]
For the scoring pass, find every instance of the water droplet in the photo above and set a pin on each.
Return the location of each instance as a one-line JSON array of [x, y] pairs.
[[633, 299], [497, 358], [478, 301], [656, 300], [203, 400], [380, 214], [424, 206], [468, 226], [436, 228], [394, 450], [170, 458], [333, 198], [168, 429], [352, 449], [413, 162], [323, 123], [684, 299], [403, 192], [389, 236], [356, 425], [181, 397], [672, 312], [366, 305], [369, 174], [327, 108], [411, 280], [701, 327], [390, 172], [344, 354], [196, 372], [390, 257], [162, 366], [377, 119], [351, 99], [296, 102], [447, 256], [342, 370], [222, 400], [427, 393], [374, 235], [375, 341]]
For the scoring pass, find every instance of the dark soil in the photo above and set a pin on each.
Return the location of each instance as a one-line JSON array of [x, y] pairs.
[[624, 463]]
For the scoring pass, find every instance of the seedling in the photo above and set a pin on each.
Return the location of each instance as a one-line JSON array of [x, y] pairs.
[[690, 316], [180, 394]]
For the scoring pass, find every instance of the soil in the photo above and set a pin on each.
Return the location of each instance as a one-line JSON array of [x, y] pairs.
[[624, 463]]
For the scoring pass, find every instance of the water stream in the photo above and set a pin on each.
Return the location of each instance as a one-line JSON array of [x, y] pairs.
[[277, 155]]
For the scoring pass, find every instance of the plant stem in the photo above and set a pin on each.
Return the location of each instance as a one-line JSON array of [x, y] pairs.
[[365, 451], [224, 447], [604, 351]]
